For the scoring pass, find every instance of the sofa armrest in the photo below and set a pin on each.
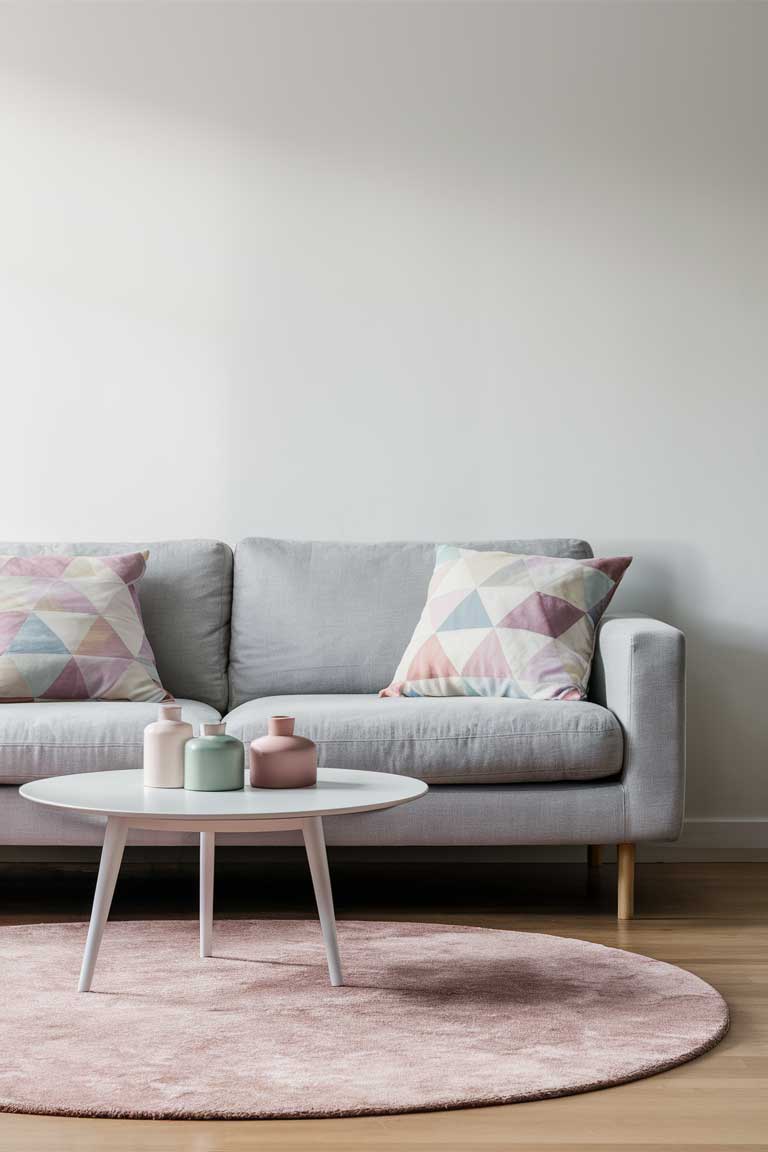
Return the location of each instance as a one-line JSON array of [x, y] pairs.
[[639, 673]]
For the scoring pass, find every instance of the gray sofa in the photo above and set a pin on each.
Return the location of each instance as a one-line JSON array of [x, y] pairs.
[[315, 630]]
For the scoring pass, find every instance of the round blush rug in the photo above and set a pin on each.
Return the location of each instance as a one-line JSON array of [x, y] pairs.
[[432, 1016]]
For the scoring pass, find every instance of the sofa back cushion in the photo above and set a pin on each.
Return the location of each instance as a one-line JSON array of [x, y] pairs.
[[335, 617], [186, 601]]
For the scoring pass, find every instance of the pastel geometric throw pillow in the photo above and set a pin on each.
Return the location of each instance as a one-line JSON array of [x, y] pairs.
[[71, 629], [506, 624]]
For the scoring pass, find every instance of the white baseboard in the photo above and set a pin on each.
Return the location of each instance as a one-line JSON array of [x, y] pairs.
[[712, 838]]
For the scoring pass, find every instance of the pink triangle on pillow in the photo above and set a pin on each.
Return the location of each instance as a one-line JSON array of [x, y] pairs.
[[488, 659], [440, 607], [431, 662], [65, 596], [129, 567], [102, 640], [68, 685]]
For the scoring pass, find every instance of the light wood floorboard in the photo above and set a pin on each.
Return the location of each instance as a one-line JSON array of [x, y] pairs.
[[709, 918]]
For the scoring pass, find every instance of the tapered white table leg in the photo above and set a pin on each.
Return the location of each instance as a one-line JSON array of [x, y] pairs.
[[111, 856], [207, 854], [314, 842]]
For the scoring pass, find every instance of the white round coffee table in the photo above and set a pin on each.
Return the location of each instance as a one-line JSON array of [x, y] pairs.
[[123, 799]]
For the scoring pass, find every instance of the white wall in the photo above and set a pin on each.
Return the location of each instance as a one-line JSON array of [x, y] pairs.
[[404, 270]]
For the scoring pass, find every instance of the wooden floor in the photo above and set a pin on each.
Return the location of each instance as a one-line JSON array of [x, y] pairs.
[[709, 918]]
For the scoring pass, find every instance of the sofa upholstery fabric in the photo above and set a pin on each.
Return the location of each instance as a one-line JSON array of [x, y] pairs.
[[55, 738], [186, 600], [591, 812], [335, 617], [639, 673], [462, 740]]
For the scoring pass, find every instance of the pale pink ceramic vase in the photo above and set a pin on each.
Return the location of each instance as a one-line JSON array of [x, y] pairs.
[[282, 760]]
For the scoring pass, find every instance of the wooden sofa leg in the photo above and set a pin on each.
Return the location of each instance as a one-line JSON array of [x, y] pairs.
[[595, 855], [626, 859]]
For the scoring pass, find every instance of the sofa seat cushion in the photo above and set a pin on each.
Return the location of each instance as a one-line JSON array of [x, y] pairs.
[[460, 740], [54, 739]]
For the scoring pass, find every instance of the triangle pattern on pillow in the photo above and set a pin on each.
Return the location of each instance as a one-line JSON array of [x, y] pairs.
[[101, 675], [69, 685], [64, 596], [460, 643], [40, 671], [508, 574], [431, 661], [13, 686], [488, 659], [102, 640], [542, 613], [71, 628], [10, 624], [515, 625], [441, 606], [35, 636], [470, 613]]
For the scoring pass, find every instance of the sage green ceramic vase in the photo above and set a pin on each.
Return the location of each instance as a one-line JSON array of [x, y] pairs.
[[213, 761]]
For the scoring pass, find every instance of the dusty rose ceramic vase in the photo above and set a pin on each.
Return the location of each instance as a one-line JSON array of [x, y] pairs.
[[282, 760]]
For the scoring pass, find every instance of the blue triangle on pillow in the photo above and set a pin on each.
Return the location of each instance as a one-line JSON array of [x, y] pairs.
[[35, 636], [470, 613]]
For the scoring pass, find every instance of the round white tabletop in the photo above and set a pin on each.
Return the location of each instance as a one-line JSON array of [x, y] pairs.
[[122, 794], [126, 803]]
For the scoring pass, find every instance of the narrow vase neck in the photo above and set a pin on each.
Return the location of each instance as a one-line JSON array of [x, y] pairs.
[[281, 725]]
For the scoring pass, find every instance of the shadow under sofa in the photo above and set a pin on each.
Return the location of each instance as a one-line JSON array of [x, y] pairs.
[[315, 629]]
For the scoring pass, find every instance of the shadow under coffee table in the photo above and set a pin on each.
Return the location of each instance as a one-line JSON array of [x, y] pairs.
[[126, 803]]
